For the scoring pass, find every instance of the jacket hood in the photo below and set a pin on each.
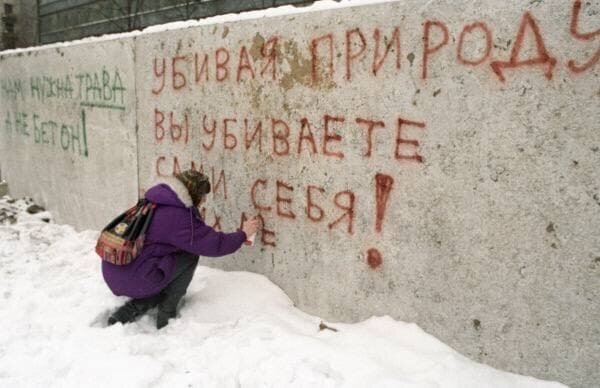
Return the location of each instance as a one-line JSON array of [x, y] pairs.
[[169, 191]]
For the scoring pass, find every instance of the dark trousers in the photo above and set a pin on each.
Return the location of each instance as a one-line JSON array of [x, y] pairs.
[[169, 297], [184, 272]]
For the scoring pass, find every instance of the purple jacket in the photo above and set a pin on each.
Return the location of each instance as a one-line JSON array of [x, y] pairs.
[[176, 226]]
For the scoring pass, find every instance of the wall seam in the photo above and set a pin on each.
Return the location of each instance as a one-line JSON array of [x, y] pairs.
[[135, 106]]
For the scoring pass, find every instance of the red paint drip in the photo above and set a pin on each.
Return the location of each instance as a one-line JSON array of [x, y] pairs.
[[383, 187], [374, 258]]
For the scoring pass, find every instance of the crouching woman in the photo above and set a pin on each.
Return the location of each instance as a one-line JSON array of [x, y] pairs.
[[176, 236]]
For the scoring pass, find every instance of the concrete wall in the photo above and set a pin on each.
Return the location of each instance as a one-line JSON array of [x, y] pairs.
[[436, 162], [68, 133]]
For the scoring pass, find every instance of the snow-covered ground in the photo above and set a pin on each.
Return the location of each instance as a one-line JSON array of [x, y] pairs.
[[236, 329]]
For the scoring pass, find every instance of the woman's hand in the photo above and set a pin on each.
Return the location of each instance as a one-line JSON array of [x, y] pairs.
[[250, 226]]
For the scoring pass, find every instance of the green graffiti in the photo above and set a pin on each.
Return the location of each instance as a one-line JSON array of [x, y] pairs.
[[101, 105], [21, 127], [45, 88], [70, 137], [17, 124], [8, 124], [101, 89], [12, 89]]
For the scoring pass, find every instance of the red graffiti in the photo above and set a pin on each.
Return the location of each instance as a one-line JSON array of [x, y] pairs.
[[243, 218], [267, 236], [193, 167], [257, 134], [302, 137], [160, 169], [543, 57], [468, 29], [157, 169], [178, 131], [179, 80], [310, 205], [280, 200], [305, 124], [200, 68], [219, 63], [362, 51], [159, 129], [400, 141], [269, 52], [356, 47], [350, 55], [244, 64], [176, 166], [575, 24], [573, 66], [281, 145], [395, 40], [255, 203], [160, 74], [383, 188], [374, 259], [370, 125], [285, 206], [314, 56], [428, 50], [211, 131], [328, 137], [163, 168], [217, 182], [229, 139], [348, 209]]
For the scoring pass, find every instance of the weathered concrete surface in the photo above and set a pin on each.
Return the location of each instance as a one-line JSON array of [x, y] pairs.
[[68, 129], [489, 242]]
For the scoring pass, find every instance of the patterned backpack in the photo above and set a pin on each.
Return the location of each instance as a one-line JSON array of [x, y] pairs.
[[122, 240]]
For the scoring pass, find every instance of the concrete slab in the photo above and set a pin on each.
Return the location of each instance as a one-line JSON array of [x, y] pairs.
[[434, 161], [68, 133]]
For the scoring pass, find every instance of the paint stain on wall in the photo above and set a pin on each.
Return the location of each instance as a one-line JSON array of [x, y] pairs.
[[374, 258], [300, 69], [255, 49], [256, 97]]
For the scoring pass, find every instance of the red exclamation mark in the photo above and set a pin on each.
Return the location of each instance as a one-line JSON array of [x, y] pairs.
[[383, 187], [373, 258]]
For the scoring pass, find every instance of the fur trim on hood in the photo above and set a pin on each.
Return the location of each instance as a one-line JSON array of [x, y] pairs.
[[178, 188]]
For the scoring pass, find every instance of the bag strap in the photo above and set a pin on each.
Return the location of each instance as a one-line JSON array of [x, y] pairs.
[[150, 207], [138, 216], [123, 215]]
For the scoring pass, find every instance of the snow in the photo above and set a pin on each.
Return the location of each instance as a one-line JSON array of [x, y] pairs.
[[236, 329], [322, 5]]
